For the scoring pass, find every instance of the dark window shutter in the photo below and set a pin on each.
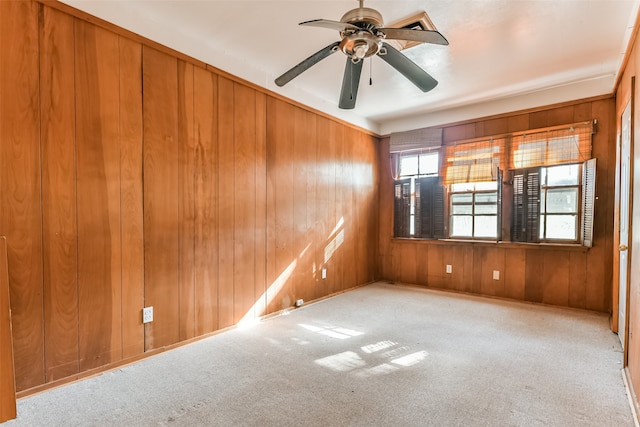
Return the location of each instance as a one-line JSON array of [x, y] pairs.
[[588, 201], [402, 208], [517, 210], [430, 219], [499, 210], [439, 215], [532, 225], [525, 213], [419, 190]]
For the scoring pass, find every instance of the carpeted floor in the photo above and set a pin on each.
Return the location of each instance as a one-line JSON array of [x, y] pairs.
[[381, 355]]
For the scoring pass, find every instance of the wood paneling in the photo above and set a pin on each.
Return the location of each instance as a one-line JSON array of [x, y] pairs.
[[226, 202], [244, 221], [20, 178], [164, 184], [161, 192], [131, 195], [574, 277], [98, 195], [186, 199], [281, 261], [260, 281], [59, 240], [206, 201], [334, 263], [7, 379]]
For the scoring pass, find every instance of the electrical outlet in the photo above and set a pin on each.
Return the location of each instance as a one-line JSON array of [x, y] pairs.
[[147, 314], [449, 269], [324, 273], [299, 302], [496, 275]]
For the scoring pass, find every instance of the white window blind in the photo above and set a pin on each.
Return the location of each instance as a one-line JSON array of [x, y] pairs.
[[419, 139]]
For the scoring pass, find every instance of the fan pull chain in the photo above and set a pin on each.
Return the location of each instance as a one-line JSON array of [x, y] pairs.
[[371, 71]]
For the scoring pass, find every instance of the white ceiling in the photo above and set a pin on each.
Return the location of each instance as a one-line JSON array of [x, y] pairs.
[[504, 55]]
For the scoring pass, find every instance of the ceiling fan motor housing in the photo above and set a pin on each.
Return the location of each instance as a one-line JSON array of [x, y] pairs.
[[365, 43], [360, 45]]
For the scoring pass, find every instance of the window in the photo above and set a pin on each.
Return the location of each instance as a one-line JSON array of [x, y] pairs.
[[419, 197], [474, 210], [553, 204], [559, 190], [549, 189]]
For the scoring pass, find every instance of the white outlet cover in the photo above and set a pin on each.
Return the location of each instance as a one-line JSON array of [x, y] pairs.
[[449, 269], [324, 273], [496, 275], [147, 315]]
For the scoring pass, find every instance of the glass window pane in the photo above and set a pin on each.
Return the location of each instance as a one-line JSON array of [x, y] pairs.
[[429, 164], [562, 200], [563, 175], [543, 200], [461, 210], [465, 186], [461, 226], [542, 222], [486, 226], [486, 198], [462, 199], [408, 165], [491, 185], [490, 209], [562, 227]]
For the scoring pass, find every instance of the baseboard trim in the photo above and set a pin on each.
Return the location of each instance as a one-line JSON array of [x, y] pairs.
[[631, 394]]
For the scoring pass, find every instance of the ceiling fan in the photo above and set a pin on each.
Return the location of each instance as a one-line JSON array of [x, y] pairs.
[[363, 35]]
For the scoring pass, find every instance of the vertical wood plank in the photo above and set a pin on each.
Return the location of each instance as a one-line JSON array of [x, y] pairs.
[[280, 261], [325, 186], [186, 207], [226, 201], [98, 195], [333, 253], [206, 201], [244, 222], [577, 279], [534, 275], [131, 195], [435, 267], [556, 278], [20, 214], [260, 290], [347, 207], [57, 138], [422, 268], [161, 231], [302, 241], [314, 236], [7, 373], [514, 273]]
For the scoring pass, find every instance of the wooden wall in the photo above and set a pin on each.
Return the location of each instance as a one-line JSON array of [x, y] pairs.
[[572, 277], [624, 92], [132, 176]]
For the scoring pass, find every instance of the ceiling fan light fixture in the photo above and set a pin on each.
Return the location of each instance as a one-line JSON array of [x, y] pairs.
[[360, 45]]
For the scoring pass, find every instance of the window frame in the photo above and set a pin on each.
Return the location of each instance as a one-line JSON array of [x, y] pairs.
[[473, 215]]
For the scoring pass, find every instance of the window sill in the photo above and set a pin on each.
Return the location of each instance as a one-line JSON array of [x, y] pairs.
[[492, 243]]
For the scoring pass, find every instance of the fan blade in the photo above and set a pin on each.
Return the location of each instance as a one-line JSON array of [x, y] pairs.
[[422, 36], [408, 68], [332, 25], [350, 83], [306, 64]]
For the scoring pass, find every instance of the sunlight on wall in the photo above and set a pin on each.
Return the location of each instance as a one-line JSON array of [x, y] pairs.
[[252, 316], [338, 239]]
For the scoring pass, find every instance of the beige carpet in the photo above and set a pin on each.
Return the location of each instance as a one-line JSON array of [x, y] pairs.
[[381, 355]]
